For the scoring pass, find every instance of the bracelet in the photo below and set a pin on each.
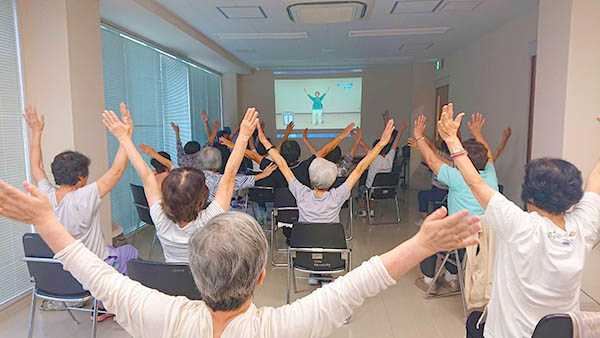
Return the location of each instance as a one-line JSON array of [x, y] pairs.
[[457, 150], [457, 155], [420, 138], [271, 148]]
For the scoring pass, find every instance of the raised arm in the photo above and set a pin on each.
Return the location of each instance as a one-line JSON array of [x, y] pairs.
[[475, 126], [357, 135], [286, 135], [505, 136], [307, 142], [366, 161], [334, 143], [401, 130], [227, 182], [120, 131], [433, 161], [213, 134], [248, 153], [204, 117], [35, 154], [108, 181], [274, 153], [148, 150], [265, 173], [448, 128]]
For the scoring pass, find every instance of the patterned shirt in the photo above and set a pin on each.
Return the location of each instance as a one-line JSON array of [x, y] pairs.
[[187, 160]]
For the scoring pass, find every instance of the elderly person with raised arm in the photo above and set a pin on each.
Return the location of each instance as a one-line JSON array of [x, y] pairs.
[[542, 251], [177, 207], [228, 258], [459, 195]]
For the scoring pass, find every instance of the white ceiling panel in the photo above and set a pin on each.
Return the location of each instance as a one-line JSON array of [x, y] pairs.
[[412, 7]]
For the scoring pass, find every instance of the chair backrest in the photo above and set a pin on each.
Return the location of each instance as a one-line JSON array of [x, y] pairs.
[[318, 235], [139, 197], [260, 194], [169, 278], [284, 198], [48, 274], [554, 326], [389, 182]]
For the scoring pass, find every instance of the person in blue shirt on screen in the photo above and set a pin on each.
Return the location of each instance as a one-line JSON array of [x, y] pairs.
[[317, 109]]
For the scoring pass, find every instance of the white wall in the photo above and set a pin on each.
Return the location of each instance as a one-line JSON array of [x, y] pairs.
[[229, 94], [492, 76]]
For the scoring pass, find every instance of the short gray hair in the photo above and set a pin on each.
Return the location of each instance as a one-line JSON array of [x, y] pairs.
[[210, 158], [322, 173], [226, 257]]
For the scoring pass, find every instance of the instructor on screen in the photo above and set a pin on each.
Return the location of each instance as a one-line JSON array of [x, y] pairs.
[[317, 109]]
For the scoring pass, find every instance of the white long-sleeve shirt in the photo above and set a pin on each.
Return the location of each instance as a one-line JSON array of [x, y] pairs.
[[144, 312]]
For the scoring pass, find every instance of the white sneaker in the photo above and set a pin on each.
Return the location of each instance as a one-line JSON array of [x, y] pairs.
[[362, 213], [372, 213]]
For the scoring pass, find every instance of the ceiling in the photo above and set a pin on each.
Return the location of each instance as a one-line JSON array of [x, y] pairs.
[[327, 45]]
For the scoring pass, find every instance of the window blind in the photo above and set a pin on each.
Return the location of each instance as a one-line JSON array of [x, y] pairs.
[[158, 89], [14, 277]]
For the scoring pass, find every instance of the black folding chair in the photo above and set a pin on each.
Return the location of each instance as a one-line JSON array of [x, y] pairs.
[[317, 248], [554, 326], [262, 193], [285, 211], [52, 282], [348, 204], [169, 278], [143, 212], [385, 187]]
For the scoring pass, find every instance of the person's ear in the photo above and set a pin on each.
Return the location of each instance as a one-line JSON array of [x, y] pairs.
[[261, 277]]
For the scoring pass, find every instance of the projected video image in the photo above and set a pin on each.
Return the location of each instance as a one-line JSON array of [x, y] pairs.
[[318, 103]]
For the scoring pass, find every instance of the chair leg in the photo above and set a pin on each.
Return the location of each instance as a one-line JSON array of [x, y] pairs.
[[71, 314], [32, 312], [397, 208], [287, 289], [351, 219], [294, 278], [459, 267], [246, 204], [437, 275], [95, 318], [254, 209], [369, 208], [136, 230]]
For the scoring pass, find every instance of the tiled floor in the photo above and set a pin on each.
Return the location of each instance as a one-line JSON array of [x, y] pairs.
[[400, 311]]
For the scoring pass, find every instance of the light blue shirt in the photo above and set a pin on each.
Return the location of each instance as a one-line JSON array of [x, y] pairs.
[[317, 101], [459, 194]]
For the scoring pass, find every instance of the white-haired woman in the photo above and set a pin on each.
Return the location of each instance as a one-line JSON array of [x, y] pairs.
[[227, 259], [322, 204]]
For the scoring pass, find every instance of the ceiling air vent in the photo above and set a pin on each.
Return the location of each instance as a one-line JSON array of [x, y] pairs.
[[319, 11]]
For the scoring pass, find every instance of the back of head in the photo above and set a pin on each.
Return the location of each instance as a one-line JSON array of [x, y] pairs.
[[191, 147], [335, 155], [553, 185], [210, 158], [322, 173], [160, 168], [226, 257], [477, 153], [184, 194], [226, 131], [68, 166], [260, 148], [290, 151]]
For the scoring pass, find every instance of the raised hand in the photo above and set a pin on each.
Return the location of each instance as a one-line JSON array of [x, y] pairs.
[[270, 169], [226, 142], [114, 125], [507, 133], [126, 117], [412, 142], [357, 133], [261, 135], [175, 127], [146, 149], [387, 132], [419, 127], [249, 123], [289, 127], [305, 134], [34, 208], [216, 125], [440, 233], [386, 116], [448, 126], [403, 125], [204, 116], [31, 117], [476, 124]]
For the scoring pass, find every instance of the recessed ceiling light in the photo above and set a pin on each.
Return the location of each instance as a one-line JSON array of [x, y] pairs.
[[258, 36], [395, 32]]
